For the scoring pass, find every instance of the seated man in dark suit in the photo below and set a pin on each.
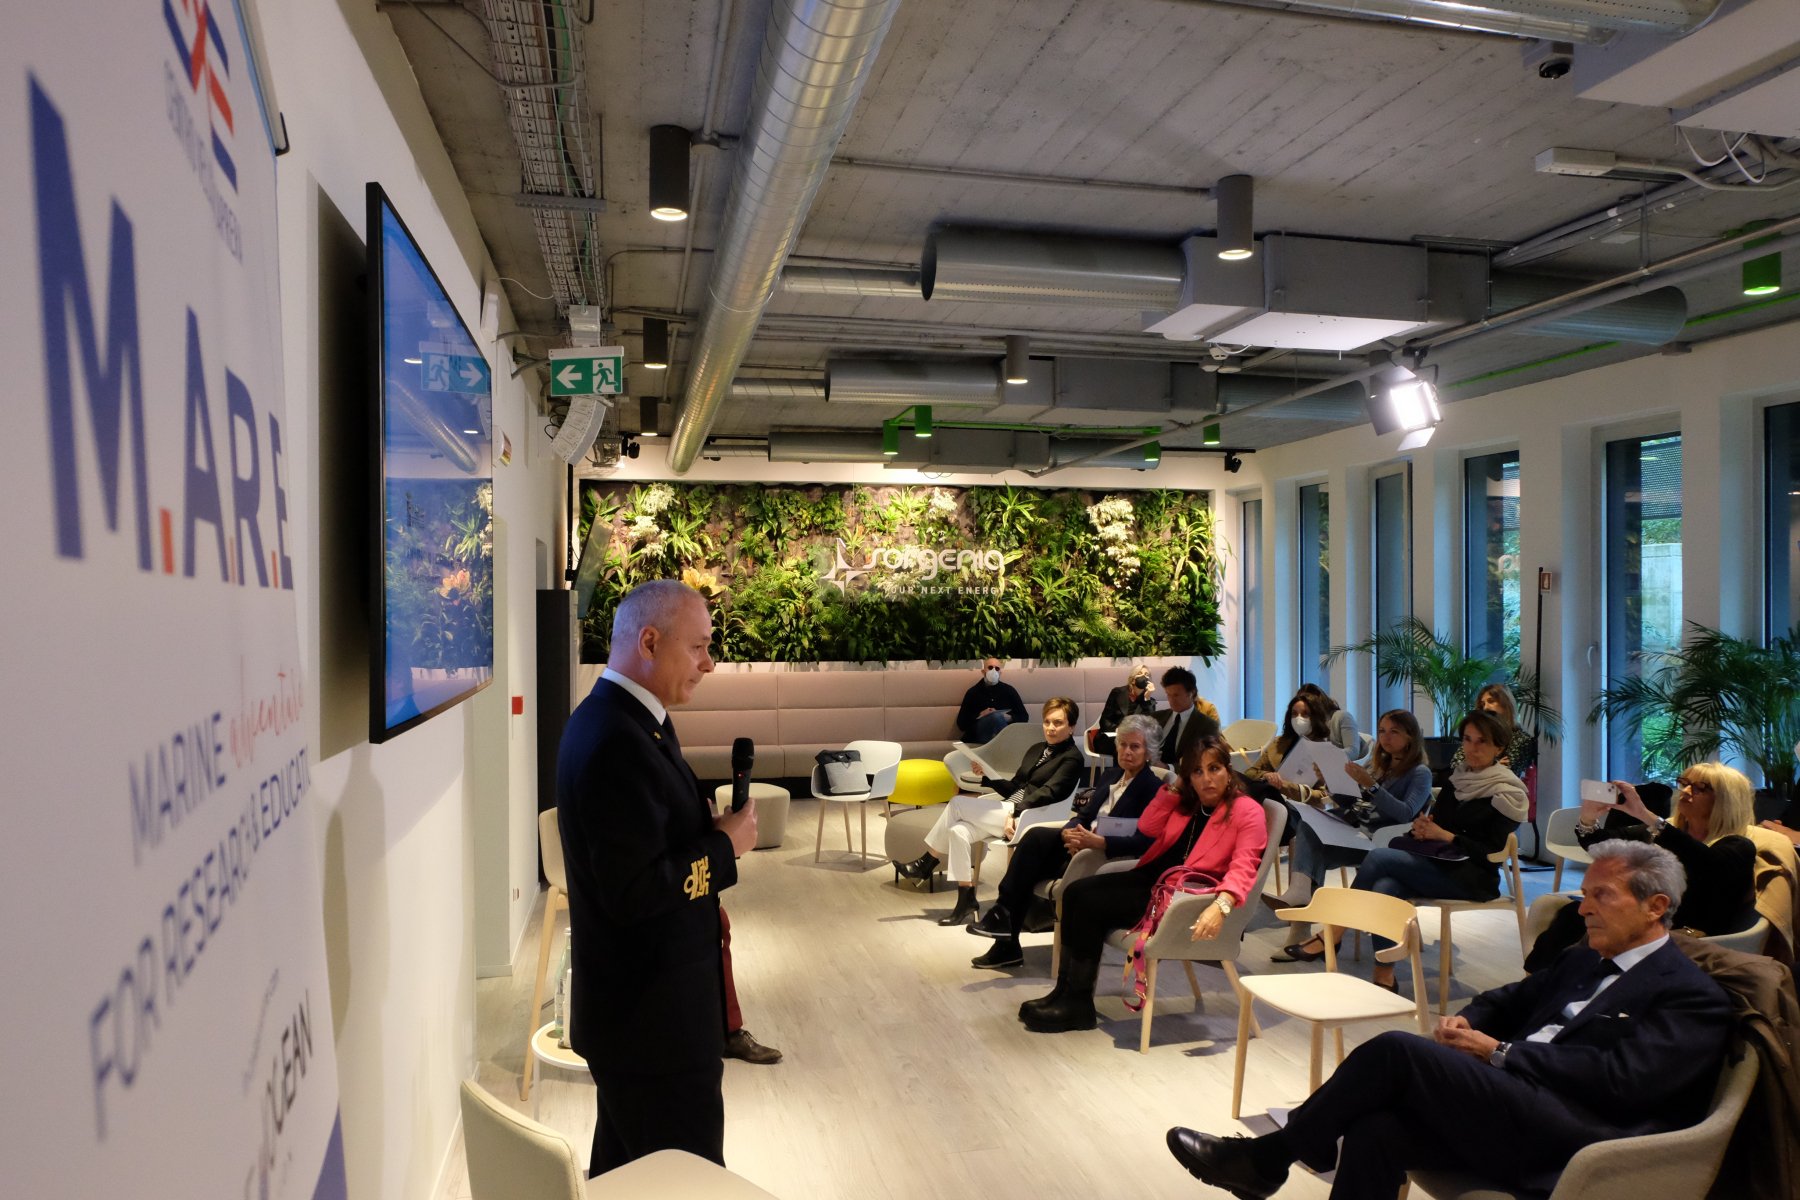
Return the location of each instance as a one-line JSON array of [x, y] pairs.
[[1188, 718], [1620, 1038]]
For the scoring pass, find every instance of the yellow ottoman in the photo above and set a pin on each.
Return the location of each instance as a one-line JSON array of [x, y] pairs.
[[923, 781]]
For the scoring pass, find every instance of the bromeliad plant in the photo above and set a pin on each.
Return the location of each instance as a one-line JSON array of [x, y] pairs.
[[1413, 654], [1716, 696]]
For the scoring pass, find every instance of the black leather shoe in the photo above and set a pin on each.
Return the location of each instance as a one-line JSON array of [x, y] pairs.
[[1072, 1010], [1004, 953], [1224, 1163], [740, 1045], [1031, 1007], [921, 867], [995, 923], [964, 912]]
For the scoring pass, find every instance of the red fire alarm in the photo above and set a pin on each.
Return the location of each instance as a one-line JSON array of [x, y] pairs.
[[518, 706]]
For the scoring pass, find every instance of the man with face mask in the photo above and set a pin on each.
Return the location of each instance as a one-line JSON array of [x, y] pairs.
[[989, 706]]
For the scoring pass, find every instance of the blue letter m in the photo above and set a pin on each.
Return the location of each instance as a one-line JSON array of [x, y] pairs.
[[63, 283]]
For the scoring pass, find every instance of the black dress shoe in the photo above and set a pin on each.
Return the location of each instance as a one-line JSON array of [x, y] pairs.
[[1224, 1163], [964, 912], [1072, 1010], [1005, 952], [995, 923], [740, 1045]]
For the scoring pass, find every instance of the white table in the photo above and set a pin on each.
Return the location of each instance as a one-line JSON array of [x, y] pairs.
[[544, 1046]]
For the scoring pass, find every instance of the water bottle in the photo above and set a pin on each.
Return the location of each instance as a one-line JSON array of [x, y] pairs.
[[559, 1027]]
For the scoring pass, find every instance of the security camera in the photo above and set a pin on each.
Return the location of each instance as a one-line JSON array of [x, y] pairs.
[[1551, 60]]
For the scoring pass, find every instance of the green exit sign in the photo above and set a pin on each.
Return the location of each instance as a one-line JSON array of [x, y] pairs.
[[587, 371]]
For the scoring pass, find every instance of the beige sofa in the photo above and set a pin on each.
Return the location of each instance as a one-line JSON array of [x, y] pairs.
[[794, 711]]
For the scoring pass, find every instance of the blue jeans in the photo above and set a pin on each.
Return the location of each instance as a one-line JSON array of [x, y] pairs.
[[1410, 877], [988, 727]]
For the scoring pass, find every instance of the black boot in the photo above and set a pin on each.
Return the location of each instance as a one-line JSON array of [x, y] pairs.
[[964, 912], [1006, 952], [995, 923], [1071, 1006], [921, 867]]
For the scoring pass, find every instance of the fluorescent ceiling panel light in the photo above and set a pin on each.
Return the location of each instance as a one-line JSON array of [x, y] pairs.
[[1306, 331]]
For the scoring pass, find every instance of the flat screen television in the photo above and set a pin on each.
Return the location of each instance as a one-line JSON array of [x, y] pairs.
[[432, 636]]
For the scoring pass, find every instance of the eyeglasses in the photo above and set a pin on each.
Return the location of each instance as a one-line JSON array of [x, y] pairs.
[[1693, 785]]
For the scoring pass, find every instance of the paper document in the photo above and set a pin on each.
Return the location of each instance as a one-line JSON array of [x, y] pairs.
[[1116, 826], [987, 768], [1328, 757]]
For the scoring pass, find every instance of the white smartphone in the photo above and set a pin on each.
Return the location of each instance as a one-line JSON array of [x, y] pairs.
[[1599, 792]]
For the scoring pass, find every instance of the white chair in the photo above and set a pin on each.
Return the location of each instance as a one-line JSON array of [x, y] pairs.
[[1678, 1165], [1560, 841], [1332, 1001], [1005, 752], [1058, 811], [1173, 937], [673, 1175], [512, 1157], [1249, 734], [881, 764], [1508, 855], [1754, 940], [556, 900], [1094, 760]]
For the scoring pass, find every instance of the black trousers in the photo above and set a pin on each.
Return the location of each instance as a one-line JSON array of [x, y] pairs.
[[1095, 906], [641, 1114], [1402, 1102], [1038, 856]]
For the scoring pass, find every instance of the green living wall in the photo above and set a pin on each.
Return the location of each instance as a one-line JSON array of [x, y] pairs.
[[873, 574]]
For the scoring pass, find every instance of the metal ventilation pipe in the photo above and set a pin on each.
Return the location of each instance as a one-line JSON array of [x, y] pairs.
[[888, 282], [1591, 21], [971, 383], [1034, 268], [1099, 452], [778, 389], [1651, 319], [1241, 391], [815, 60], [825, 447]]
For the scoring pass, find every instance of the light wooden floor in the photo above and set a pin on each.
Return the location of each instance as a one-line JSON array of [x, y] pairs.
[[907, 1073]]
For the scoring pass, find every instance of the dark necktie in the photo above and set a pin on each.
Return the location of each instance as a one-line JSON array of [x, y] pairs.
[[1172, 739]]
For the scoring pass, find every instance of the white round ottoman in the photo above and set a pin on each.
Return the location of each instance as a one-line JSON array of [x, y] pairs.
[[771, 811]]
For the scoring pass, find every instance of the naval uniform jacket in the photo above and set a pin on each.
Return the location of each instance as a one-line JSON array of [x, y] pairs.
[[645, 869]]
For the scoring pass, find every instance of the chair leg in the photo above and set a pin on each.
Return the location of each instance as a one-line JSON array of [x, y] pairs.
[[1149, 1007], [1056, 947], [1237, 1070], [1556, 881], [1193, 983], [847, 842], [1337, 1034], [1315, 1059], [1519, 907], [863, 815], [537, 991], [819, 841], [1237, 991], [1443, 962]]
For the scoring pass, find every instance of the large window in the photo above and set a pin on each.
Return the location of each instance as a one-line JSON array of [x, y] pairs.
[[1643, 579], [1315, 580], [1782, 518], [1393, 574], [1250, 561], [1491, 555]]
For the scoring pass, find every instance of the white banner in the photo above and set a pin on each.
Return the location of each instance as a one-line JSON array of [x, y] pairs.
[[167, 1015]]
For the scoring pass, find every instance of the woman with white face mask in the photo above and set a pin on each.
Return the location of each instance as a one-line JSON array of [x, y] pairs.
[[1303, 720]]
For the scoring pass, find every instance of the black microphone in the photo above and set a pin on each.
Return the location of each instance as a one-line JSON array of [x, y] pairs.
[[743, 754]]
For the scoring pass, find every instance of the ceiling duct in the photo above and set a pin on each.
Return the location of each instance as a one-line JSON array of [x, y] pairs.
[[825, 447], [1652, 319], [1035, 268], [974, 383], [1064, 451], [816, 57], [964, 451], [887, 282], [778, 389], [1241, 391], [1590, 21]]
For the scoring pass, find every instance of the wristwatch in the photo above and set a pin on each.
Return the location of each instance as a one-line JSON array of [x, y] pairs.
[[1498, 1057], [1223, 903]]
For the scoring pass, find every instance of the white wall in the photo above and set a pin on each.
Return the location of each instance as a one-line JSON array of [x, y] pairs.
[[426, 839], [1713, 396]]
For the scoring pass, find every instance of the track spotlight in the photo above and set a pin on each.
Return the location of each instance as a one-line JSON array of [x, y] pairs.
[[1232, 463], [922, 421], [1403, 402], [669, 172], [1018, 360], [1762, 276], [890, 439], [1152, 454], [1237, 226], [656, 344], [1210, 435]]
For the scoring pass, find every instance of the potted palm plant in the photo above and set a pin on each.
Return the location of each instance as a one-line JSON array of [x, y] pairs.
[[1412, 653], [1716, 695]]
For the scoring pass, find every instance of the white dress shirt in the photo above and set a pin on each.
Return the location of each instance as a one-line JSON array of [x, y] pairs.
[[643, 694], [1624, 962]]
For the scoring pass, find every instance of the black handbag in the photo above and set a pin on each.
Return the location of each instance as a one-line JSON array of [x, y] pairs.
[[840, 773]]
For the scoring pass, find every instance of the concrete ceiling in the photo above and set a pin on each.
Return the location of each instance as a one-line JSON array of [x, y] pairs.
[[1352, 129]]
